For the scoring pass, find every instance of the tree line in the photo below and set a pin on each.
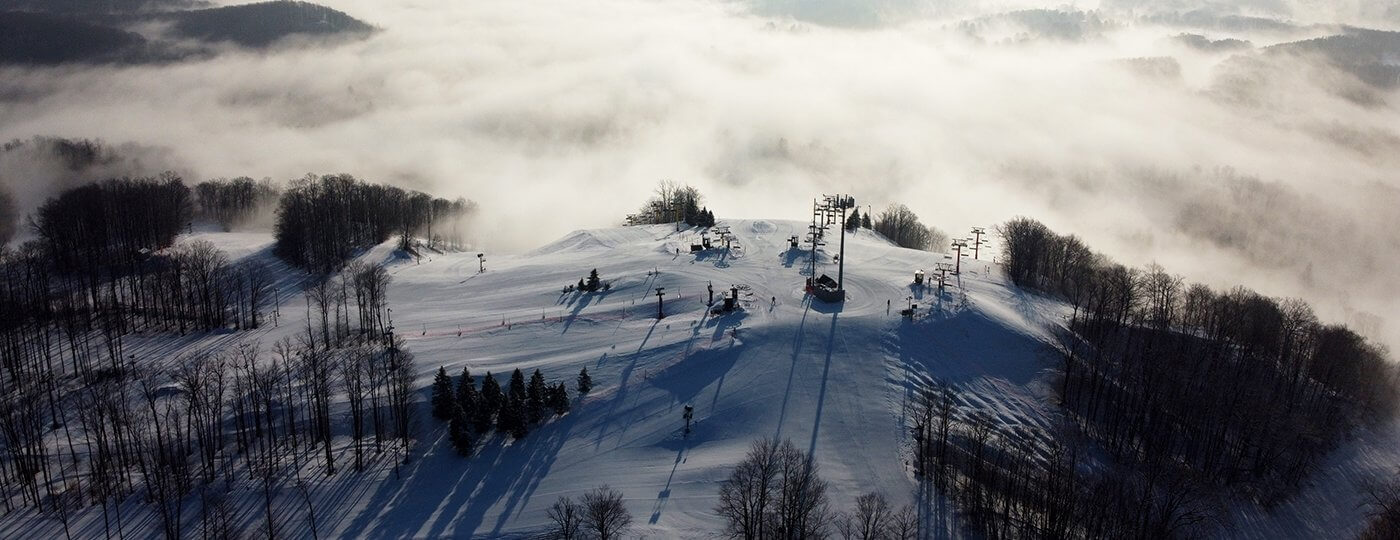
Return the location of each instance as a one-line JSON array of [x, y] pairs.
[[901, 225], [102, 267], [1198, 393], [184, 433], [236, 202], [324, 222], [777, 491], [672, 203], [1023, 483]]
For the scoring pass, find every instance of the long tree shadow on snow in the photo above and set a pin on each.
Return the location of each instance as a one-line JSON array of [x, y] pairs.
[[964, 345], [443, 494]]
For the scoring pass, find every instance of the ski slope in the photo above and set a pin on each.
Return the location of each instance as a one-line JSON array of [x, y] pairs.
[[835, 379]]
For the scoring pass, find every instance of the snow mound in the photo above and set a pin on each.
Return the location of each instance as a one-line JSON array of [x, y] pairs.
[[594, 240]]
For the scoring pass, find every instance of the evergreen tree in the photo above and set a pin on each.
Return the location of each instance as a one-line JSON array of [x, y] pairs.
[[509, 417], [853, 220], [705, 218], [581, 286], [865, 221], [443, 401], [460, 431], [690, 211], [514, 415], [535, 397], [593, 281], [491, 402], [585, 383], [559, 398], [517, 384], [519, 428], [467, 397]]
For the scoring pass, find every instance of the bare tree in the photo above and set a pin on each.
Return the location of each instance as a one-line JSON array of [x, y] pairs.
[[604, 515], [566, 517], [801, 509], [257, 278], [904, 524], [322, 295], [1384, 509], [354, 378], [745, 497], [316, 375], [899, 224], [775, 491], [871, 519]]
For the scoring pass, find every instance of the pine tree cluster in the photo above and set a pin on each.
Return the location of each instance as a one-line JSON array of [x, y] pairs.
[[701, 218], [473, 413], [592, 283], [674, 203]]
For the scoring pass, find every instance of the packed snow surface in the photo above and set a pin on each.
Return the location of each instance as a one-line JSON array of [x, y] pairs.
[[837, 380]]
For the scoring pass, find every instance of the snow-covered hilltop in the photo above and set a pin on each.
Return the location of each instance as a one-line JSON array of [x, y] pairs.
[[839, 381]]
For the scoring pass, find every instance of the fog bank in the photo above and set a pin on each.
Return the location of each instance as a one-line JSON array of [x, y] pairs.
[[1222, 157]]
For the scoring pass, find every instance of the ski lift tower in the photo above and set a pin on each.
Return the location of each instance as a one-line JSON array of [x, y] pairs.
[[958, 246], [943, 269], [814, 237], [826, 211], [977, 242], [722, 231], [815, 232], [837, 205]]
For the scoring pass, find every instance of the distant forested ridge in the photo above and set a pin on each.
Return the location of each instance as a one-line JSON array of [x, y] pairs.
[[107, 7], [69, 31], [45, 39], [263, 24]]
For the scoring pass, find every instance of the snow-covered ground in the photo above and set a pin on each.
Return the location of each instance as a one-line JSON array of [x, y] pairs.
[[836, 380]]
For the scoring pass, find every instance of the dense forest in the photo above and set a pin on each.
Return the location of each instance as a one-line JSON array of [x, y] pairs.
[[44, 39], [323, 222], [170, 428], [237, 202], [105, 7], [1197, 396], [104, 264], [263, 24]]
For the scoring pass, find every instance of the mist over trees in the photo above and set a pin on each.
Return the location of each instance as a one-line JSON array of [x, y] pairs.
[[52, 33], [1196, 395], [901, 225], [673, 203], [9, 216], [236, 202], [323, 222]]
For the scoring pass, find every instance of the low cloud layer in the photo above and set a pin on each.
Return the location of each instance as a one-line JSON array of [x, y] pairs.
[[1240, 164]]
